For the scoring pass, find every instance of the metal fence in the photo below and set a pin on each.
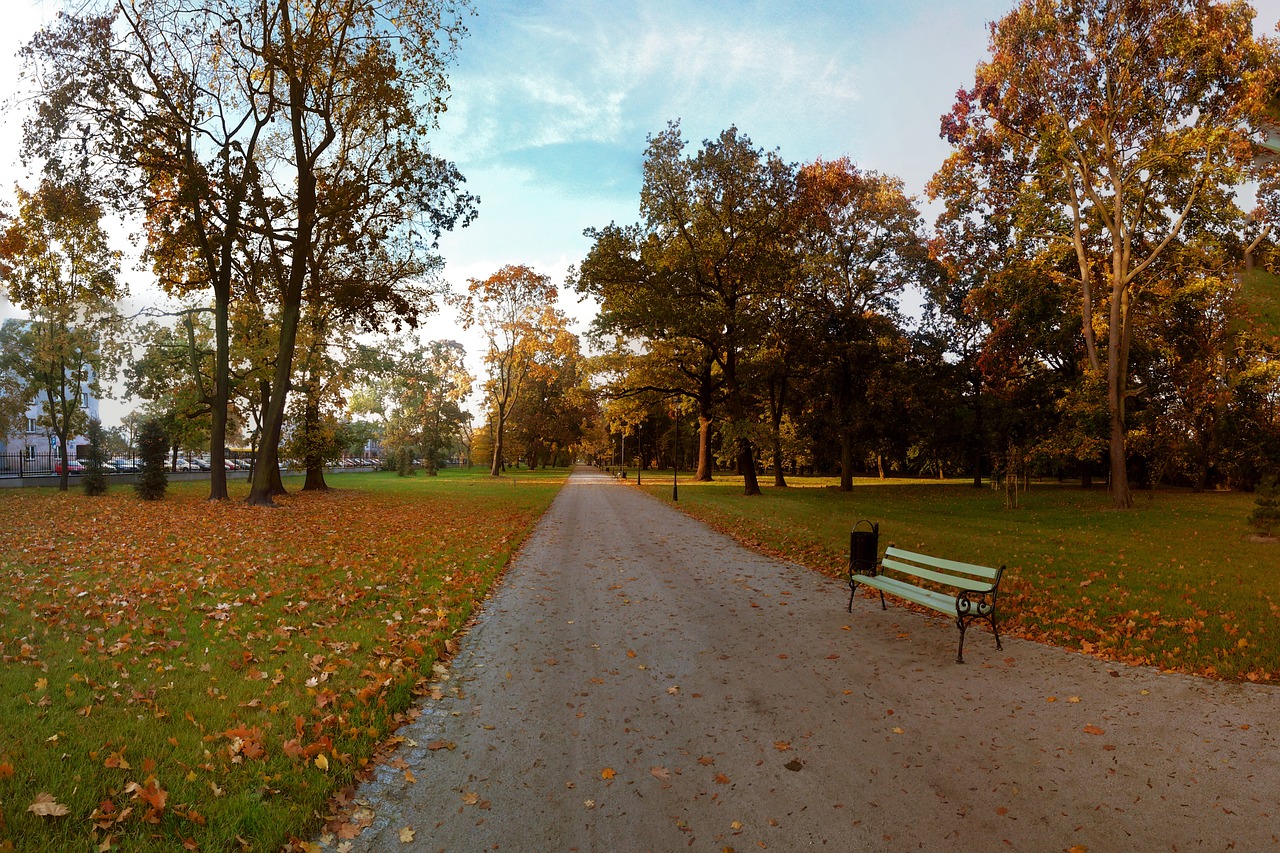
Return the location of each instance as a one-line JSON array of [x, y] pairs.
[[21, 464]]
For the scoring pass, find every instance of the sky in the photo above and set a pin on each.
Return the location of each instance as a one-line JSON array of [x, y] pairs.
[[551, 103]]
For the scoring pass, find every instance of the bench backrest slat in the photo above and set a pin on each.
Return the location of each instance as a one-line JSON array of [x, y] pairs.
[[894, 559]]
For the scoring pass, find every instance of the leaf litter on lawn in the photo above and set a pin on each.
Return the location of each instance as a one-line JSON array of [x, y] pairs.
[[249, 663]]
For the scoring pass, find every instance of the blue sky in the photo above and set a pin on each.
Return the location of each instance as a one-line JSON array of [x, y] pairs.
[[552, 100]]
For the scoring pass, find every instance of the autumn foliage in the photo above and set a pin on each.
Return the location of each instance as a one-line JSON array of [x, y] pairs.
[[181, 673]]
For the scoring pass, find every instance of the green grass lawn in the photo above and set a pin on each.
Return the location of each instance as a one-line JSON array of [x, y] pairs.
[[210, 675], [1173, 583]]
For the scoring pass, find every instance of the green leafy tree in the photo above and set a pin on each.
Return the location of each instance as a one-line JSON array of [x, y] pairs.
[[861, 245], [58, 267], [715, 243]]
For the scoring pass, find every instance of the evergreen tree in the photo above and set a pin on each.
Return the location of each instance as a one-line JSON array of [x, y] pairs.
[[95, 481], [1266, 513], [153, 445]]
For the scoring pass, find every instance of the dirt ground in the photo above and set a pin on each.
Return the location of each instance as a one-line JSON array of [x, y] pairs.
[[639, 682]]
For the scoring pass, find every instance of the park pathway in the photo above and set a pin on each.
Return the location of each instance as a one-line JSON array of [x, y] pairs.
[[639, 682]]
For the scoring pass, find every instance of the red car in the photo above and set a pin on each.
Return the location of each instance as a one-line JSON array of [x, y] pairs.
[[73, 467]]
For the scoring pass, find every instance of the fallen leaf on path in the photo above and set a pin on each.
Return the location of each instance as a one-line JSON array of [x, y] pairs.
[[608, 773], [406, 835], [660, 772], [1093, 730], [722, 779], [782, 745], [706, 761], [436, 745], [1073, 699], [470, 797]]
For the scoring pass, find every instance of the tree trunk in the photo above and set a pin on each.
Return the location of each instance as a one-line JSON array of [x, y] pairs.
[[495, 470], [778, 479], [846, 461], [703, 474], [220, 402], [315, 462]]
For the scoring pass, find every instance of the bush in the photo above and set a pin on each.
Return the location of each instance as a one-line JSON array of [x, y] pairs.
[[404, 462], [153, 446], [95, 481], [1266, 513]]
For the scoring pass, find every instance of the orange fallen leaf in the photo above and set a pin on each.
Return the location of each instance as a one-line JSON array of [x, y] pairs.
[[706, 761], [722, 779], [470, 797], [782, 745], [660, 772], [6, 770], [608, 773], [1093, 730]]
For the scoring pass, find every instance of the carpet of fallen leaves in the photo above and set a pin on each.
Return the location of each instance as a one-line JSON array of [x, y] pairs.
[[196, 675], [1174, 583]]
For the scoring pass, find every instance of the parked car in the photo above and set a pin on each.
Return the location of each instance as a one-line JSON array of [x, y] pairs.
[[74, 466], [201, 464], [122, 466]]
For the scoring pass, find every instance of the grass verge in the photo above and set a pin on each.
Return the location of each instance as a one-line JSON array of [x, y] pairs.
[[206, 676], [1173, 583]]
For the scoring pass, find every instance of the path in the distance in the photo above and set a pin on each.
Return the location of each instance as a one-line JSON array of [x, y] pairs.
[[642, 683]]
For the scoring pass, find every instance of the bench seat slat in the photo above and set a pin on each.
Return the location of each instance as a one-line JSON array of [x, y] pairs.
[[939, 577], [941, 602], [939, 563]]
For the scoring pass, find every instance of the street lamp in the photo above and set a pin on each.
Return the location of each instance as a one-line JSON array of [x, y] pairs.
[[675, 463], [639, 455]]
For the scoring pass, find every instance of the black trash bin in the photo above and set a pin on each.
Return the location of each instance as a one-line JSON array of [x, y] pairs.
[[864, 549]]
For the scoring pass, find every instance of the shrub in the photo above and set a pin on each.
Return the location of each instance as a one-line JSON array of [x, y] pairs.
[[404, 462], [95, 481], [153, 446], [1266, 513]]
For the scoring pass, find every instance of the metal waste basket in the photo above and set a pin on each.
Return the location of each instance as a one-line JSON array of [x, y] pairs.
[[864, 547]]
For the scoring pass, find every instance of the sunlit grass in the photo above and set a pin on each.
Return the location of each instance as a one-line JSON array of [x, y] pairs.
[[210, 674], [1174, 582]]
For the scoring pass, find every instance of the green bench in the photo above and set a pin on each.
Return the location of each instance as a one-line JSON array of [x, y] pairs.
[[975, 586]]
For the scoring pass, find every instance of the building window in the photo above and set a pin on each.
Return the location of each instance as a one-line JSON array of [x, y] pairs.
[[31, 424], [85, 397]]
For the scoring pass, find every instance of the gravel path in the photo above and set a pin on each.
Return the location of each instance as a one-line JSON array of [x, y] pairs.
[[640, 682]]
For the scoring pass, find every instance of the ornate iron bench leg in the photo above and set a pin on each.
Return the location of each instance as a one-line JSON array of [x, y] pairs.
[[961, 624]]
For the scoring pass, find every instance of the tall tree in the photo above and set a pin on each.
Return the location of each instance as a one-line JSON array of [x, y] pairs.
[[715, 242], [1126, 116], [515, 310], [59, 268], [861, 246]]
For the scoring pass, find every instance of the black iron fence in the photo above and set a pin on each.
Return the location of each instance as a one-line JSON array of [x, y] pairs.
[[45, 464], [21, 464]]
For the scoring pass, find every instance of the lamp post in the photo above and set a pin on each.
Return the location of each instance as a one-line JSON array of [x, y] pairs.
[[639, 455], [675, 464]]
